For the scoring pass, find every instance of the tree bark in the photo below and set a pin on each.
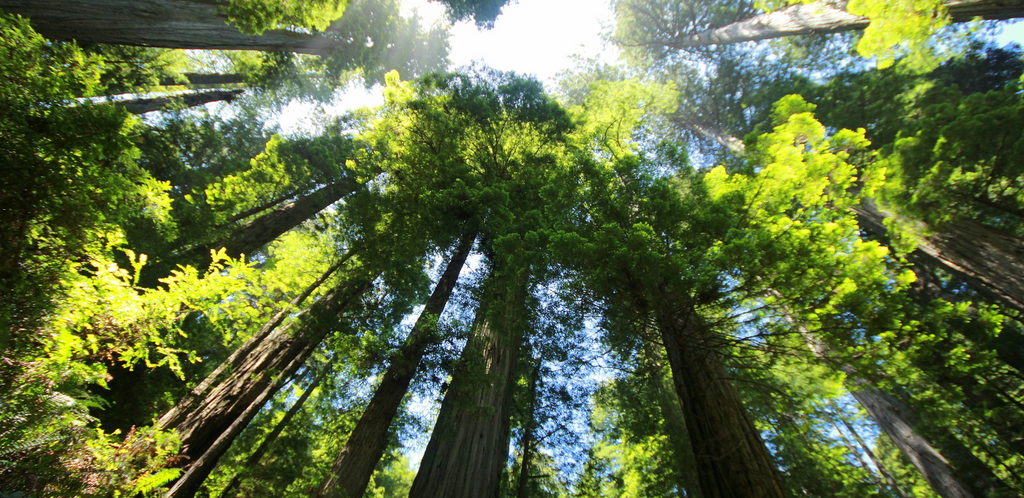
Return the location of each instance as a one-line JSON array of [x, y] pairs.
[[231, 489], [194, 24], [468, 447], [529, 436], [142, 106], [354, 466], [204, 79], [889, 479], [824, 17], [207, 429], [987, 259], [891, 417], [732, 460]]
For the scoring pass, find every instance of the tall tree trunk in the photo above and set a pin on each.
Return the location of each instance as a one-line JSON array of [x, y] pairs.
[[893, 418], [196, 80], [889, 479], [234, 361], [231, 489], [207, 429], [675, 424], [142, 106], [468, 447], [732, 460], [529, 433], [354, 466], [988, 261], [824, 17], [195, 24]]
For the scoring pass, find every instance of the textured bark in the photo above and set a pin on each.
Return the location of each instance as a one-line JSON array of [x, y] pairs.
[[188, 403], [195, 24], [468, 447], [826, 18], [988, 260], [365, 447], [529, 434], [889, 479], [256, 233], [891, 417], [142, 106], [204, 79], [213, 422], [254, 459], [675, 424], [732, 460], [894, 420]]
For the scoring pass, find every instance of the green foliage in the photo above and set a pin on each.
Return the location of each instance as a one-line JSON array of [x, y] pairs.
[[257, 16]]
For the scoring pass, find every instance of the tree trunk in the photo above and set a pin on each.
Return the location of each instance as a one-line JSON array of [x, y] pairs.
[[732, 460], [187, 404], [142, 106], [354, 466], [891, 417], [194, 24], [675, 424], [987, 260], [735, 145], [468, 447], [529, 433], [207, 429], [230, 490], [825, 17], [893, 485], [195, 80]]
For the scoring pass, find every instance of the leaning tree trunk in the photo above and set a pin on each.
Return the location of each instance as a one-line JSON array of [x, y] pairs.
[[142, 106], [194, 24], [989, 261], [209, 425], [825, 17], [253, 460], [197, 80], [468, 447], [894, 420], [529, 440], [894, 486], [732, 460], [354, 466]]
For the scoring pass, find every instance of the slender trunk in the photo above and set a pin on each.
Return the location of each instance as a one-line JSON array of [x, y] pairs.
[[468, 447], [205, 79], [860, 458], [259, 209], [894, 420], [732, 460], [529, 430], [893, 485], [824, 17], [735, 145], [231, 489], [194, 24], [142, 106], [254, 234], [208, 428], [354, 466], [188, 403]]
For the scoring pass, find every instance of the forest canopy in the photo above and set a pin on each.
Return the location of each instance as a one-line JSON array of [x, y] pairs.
[[775, 249]]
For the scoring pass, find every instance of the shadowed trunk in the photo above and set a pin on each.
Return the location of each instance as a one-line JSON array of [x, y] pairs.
[[254, 459], [195, 24], [468, 447], [732, 460], [204, 79], [529, 430], [889, 479], [827, 18], [354, 466], [142, 106], [210, 424]]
